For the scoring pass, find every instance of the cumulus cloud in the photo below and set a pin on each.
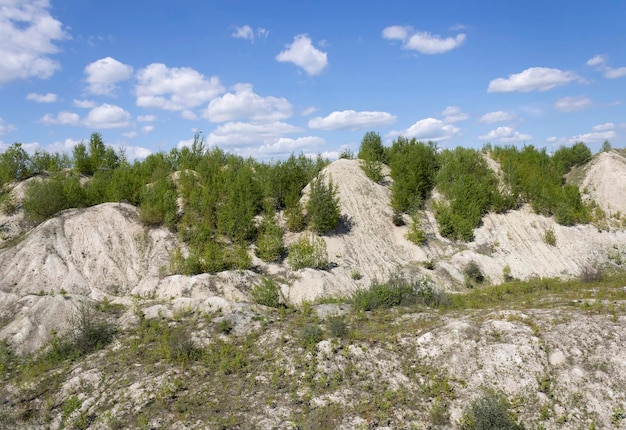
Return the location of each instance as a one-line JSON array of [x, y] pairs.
[[603, 127], [42, 98], [532, 79], [497, 116], [429, 129], [147, 128], [303, 54], [177, 89], [146, 118], [190, 115], [107, 116], [454, 114], [84, 104], [423, 42], [613, 73], [246, 32], [282, 147], [572, 104], [246, 104], [505, 135], [308, 111], [62, 118], [352, 120], [5, 128], [600, 63], [27, 40], [103, 75], [244, 133]]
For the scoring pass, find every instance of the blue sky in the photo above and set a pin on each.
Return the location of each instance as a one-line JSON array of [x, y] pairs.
[[266, 79]]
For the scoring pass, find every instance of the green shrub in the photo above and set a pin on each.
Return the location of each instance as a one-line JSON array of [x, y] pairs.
[[416, 234], [413, 168], [310, 335], [372, 148], [473, 273], [337, 326], [308, 251], [270, 245], [294, 218], [158, 203], [490, 412], [323, 210], [549, 237], [266, 293], [373, 170], [44, 199], [397, 291]]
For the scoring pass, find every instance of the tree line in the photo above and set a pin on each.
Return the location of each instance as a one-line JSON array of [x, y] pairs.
[[470, 187], [219, 204]]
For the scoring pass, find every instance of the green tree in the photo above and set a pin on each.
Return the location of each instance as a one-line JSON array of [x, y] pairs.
[[15, 164], [372, 155], [413, 168], [323, 209]]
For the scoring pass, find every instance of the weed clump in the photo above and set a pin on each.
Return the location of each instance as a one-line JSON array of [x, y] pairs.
[[396, 291], [491, 411]]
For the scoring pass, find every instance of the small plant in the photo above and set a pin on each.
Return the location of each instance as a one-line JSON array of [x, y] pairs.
[[473, 273], [308, 251], [310, 335], [416, 233], [337, 326], [373, 169], [506, 273], [397, 218], [355, 274], [549, 237], [591, 274], [266, 293], [70, 405], [491, 411], [225, 326], [429, 264]]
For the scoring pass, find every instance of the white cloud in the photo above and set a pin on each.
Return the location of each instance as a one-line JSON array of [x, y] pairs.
[[429, 129], [146, 118], [132, 152], [147, 128], [190, 115], [589, 138], [42, 98], [421, 41], [246, 32], [351, 120], [597, 61], [600, 63], [5, 128], [613, 73], [174, 88], [103, 74], [246, 104], [603, 127], [130, 134], [27, 37], [572, 104], [244, 133], [534, 78], [454, 114], [497, 116], [62, 146], [308, 111], [84, 104], [107, 116], [505, 135], [303, 54], [283, 146], [62, 118]]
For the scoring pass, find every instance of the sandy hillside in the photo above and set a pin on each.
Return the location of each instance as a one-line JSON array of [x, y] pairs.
[[604, 180], [104, 251]]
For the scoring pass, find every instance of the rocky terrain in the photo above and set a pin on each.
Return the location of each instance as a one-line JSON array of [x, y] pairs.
[[556, 355]]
